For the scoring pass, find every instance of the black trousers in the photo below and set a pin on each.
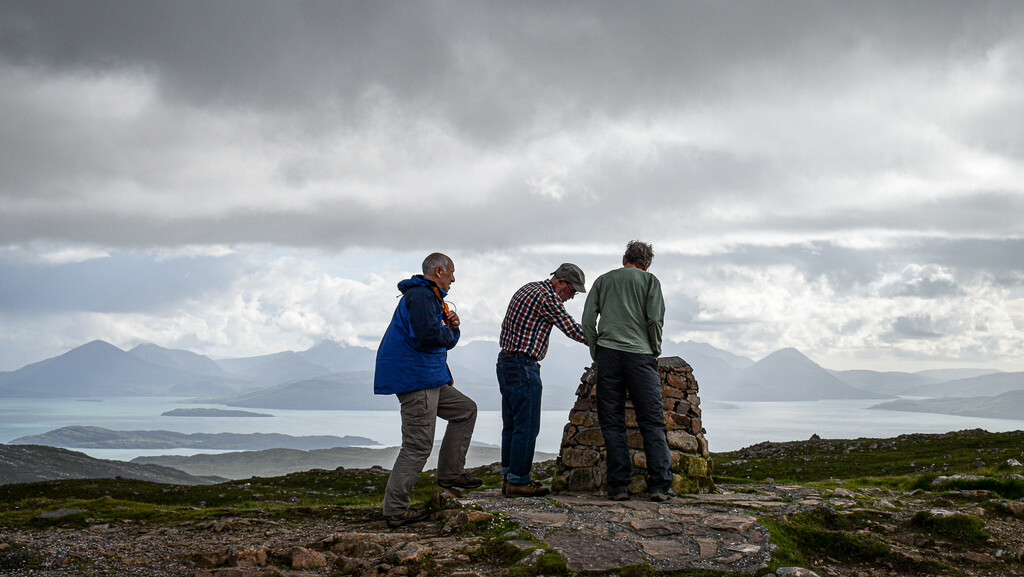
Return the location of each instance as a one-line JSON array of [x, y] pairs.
[[619, 373]]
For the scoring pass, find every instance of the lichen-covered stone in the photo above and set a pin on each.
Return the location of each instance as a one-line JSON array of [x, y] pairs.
[[682, 484], [580, 457], [676, 382], [589, 437], [581, 418], [694, 466], [682, 440], [673, 363], [585, 479], [675, 421], [669, 392]]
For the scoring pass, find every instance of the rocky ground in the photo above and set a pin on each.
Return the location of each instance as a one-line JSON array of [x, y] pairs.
[[862, 532]]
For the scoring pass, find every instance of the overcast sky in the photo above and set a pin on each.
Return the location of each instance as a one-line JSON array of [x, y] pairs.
[[241, 178]]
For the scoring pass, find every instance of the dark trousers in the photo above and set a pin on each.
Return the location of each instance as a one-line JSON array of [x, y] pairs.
[[519, 382], [619, 373], [420, 411]]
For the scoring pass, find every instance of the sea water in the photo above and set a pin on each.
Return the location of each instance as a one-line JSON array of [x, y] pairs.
[[729, 426]]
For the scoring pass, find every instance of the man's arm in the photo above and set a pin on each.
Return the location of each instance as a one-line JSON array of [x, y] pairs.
[[589, 321], [655, 315], [554, 312], [424, 309]]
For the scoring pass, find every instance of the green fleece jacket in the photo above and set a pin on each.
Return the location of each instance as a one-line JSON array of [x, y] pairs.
[[631, 310]]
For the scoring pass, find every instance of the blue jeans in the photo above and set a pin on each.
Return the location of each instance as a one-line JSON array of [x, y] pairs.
[[619, 372], [519, 382]]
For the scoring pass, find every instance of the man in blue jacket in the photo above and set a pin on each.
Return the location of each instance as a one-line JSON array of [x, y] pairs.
[[412, 362]]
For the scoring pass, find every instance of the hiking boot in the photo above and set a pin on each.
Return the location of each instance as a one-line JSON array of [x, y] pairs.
[[662, 495], [409, 516], [618, 495], [463, 481], [532, 489], [504, 486]]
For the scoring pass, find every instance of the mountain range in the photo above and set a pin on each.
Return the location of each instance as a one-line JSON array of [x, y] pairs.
[[333, 376]]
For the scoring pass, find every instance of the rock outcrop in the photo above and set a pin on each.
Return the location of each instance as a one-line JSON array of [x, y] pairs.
[[581, 459]]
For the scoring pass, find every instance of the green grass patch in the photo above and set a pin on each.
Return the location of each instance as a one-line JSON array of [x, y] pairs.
[[548, 563], [1004, 487], [14, 557], [789, 552], [498, 552], [974, 451], [296, 494], [719, 479], [499, 526], [966, 529], [551, 563], [820, 534]]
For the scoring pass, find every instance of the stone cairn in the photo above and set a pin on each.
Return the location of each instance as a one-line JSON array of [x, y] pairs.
[[581, 458]]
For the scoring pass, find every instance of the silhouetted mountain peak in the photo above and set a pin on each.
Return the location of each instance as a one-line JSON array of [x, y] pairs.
[[93, 350], [788, 354], [92, 354], [789, 359]]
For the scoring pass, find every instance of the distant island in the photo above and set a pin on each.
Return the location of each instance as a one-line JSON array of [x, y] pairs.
[[82, 437], [211, 413], [1005, 406]]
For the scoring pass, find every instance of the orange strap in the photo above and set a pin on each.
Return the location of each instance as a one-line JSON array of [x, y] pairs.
[[444, 305]]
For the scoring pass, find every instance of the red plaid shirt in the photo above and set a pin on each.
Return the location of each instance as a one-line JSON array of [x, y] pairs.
[[531, 312]]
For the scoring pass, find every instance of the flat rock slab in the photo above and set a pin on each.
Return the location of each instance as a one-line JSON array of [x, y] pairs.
[[586, 552], [593, 533], [549, 519]]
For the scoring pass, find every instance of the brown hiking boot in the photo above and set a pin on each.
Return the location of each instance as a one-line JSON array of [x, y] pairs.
[[407, 517], [463, 481], [662, 496], [619, 495], [533, 489]]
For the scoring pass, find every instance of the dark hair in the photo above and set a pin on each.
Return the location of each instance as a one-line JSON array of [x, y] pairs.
[[638, 253], [435, 261]]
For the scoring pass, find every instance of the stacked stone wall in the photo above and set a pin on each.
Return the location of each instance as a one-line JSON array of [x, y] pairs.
[[581, 458]]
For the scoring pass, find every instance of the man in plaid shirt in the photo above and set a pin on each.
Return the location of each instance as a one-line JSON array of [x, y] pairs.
[[524, 342]]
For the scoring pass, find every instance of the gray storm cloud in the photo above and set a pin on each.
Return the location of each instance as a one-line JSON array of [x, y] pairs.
[[154, 124], [793, 161]]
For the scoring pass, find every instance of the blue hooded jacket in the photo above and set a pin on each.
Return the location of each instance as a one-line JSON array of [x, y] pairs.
[[413, 354]]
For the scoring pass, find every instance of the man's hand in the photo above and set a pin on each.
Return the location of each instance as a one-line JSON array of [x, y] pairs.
[[453, 320]]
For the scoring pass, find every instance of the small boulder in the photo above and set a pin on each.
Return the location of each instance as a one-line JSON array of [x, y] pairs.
[[795, 572], [303, 558], [410, 552]]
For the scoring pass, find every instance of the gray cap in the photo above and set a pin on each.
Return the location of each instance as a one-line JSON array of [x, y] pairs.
[[571, 274]]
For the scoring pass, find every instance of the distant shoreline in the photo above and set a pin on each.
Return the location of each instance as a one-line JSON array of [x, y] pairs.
[[211, 413]]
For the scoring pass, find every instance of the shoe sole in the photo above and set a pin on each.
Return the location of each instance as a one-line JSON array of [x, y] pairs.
[[540, 492], [402, 522]]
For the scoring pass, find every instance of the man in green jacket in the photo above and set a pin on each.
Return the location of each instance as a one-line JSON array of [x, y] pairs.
[[626, 343]]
